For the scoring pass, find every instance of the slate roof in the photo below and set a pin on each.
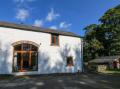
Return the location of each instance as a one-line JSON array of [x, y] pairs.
[[105, 59], [36, 29]]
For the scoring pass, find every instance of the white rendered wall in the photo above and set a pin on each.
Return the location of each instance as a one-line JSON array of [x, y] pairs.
[[51, 59]]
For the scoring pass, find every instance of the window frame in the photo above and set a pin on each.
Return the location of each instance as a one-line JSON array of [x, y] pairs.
[[54, 42], [21, 51], [70, 58]]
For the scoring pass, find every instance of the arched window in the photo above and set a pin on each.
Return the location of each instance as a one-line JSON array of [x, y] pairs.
[[25, 57]]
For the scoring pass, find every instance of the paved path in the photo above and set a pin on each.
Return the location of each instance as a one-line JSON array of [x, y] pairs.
[[83, 81]]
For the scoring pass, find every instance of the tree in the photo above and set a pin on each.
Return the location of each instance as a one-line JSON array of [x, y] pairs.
[[103, 39], [91, 44], [111, 24]]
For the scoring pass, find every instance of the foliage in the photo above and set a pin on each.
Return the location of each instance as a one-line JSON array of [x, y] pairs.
[[103, 39]]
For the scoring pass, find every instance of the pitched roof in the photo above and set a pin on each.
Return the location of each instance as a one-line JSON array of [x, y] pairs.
[[104, 59], [36, 29]]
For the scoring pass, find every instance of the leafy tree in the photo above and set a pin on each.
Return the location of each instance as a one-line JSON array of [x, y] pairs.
[[103, 39], [91, 44], [111, 24]]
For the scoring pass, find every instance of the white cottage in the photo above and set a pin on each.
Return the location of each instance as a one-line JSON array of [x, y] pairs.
[[32, 50]]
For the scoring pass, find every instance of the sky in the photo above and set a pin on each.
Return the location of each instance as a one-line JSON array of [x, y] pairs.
[[67, 15]]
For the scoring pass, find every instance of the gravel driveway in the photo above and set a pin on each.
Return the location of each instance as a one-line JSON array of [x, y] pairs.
[[81, 81]]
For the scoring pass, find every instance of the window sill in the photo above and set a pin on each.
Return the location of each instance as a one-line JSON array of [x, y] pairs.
[[69, 65], [54, 45], [25, 70]]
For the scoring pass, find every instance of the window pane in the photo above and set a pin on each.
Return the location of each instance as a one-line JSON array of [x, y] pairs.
[[54, 40], [25, 57], [56, 37], [33, 48], [17, 61], [26, 47], [69, 61], [34, 61], [17, 47]]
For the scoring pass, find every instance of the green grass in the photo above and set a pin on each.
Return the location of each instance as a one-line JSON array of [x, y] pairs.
[[107, 71], [112, 72]]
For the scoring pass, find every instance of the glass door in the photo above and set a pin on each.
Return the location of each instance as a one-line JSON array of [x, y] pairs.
[[25, 61]]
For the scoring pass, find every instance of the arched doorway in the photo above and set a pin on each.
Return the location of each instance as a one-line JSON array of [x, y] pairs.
[[25, 56]]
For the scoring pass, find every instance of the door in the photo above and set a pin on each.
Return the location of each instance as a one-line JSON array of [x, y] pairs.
[[25, 61]]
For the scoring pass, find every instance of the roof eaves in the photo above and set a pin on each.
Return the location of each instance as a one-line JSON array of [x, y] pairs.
[[37, 29]]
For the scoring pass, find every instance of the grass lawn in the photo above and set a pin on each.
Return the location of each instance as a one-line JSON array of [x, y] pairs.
[[107, 71], [112, 71]]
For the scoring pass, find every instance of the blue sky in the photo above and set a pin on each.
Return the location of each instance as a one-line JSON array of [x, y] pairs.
[[69, 15]]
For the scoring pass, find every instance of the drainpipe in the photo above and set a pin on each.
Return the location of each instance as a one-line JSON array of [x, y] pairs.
[[82, 55]]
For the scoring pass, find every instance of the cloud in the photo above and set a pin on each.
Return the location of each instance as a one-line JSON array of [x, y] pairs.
[[22, 14], [64, 25], [23, 1], [38, 23], [53, 27], [52, 15]]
